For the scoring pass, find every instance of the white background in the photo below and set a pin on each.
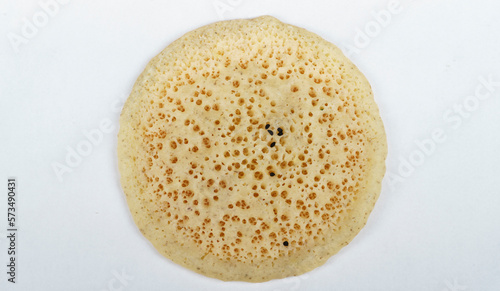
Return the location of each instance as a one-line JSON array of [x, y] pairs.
[[436, 225]]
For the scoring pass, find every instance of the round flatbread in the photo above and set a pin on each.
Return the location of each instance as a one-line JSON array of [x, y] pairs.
[[251, 150]]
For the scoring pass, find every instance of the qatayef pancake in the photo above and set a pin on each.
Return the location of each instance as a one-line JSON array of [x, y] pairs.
[[251, 150]]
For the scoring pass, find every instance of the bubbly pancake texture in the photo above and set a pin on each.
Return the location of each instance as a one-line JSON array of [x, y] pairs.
[[251, 150]]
